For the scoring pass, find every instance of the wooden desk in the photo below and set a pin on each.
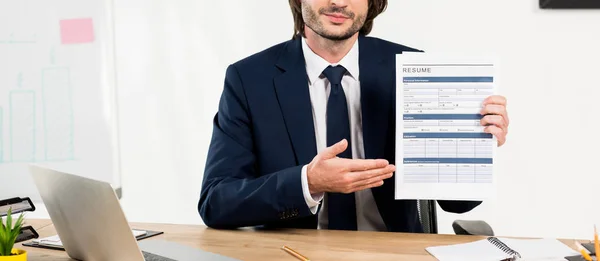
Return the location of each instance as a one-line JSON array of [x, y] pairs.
[[248, 244]]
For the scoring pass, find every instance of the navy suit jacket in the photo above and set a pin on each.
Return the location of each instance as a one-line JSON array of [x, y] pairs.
[[263, 134]]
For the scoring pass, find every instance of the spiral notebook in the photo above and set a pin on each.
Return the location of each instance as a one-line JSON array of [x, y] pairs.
[[496, 249]]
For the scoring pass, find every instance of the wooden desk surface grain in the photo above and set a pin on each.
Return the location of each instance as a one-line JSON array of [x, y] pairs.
[[248, 244]]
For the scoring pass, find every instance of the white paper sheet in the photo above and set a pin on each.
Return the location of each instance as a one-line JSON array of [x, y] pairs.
[[442, 151]]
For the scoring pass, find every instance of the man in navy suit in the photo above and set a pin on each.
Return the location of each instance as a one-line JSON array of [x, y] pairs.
[[305, 132]]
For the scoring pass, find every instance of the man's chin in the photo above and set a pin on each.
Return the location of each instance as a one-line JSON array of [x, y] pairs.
[[337, 37]]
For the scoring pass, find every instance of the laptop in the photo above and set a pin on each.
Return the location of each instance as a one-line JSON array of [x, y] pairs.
[[89, 220]]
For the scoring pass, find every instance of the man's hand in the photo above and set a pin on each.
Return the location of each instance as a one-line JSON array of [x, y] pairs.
[[328, 173], [495, 117]]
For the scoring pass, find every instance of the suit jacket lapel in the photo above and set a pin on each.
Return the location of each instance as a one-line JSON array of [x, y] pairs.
[[292, 92]]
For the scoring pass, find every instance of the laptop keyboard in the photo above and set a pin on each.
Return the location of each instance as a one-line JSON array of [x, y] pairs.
[[153, 257]]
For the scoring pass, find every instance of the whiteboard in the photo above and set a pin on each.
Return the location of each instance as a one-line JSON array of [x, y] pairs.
[[57, 92]]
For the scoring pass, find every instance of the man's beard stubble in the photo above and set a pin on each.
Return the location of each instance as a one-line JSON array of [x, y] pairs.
[[312, 22]]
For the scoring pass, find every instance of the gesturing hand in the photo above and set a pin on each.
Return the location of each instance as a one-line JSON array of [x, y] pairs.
[[328, 173]]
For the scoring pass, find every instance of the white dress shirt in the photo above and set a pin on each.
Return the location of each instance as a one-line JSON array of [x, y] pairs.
[[368, 217]]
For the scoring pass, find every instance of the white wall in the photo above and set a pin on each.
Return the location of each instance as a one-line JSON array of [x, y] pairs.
[[172, 57], [549, 75]]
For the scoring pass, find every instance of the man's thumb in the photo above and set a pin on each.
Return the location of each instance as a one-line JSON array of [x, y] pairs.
[[335, 149]]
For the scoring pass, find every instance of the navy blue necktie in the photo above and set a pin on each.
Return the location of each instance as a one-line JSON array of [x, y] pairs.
[[341, 207]]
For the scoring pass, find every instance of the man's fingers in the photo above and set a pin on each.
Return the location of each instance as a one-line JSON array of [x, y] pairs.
[[371, 180], [375, 184], [353, 165], [493, 109], [496, 120], [368, 179], [364, 176], [335, 149], [495, 99], [498, 133]]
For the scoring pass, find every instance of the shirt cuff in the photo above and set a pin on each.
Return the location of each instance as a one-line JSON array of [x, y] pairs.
[[314, 200]]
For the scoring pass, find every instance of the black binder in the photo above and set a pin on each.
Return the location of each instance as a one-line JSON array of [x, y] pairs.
[[589, 247], [26, 233], [17, 205]]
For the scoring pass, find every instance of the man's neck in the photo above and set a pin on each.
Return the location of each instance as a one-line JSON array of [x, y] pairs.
[[331, 51]]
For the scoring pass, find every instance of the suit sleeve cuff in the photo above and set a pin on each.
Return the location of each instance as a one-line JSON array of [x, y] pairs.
[[312, 200]]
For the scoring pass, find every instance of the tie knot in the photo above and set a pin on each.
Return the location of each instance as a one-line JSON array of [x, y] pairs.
[[334, 74]]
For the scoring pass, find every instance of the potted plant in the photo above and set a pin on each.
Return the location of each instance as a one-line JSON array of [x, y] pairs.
[[8, 236]]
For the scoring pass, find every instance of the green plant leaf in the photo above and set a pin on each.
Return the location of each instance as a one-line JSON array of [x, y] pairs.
[[9, 221], [16, 231], [9, 232], [2, 252], [20, 220], [3, 238]]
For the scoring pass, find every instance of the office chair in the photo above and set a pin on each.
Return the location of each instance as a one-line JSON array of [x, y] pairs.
[[428, 217]]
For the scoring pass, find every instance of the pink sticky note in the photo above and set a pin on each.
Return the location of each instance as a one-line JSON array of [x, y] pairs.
[[75, 31]]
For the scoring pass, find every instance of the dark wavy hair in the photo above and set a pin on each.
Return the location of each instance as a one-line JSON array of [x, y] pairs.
[[376, 7]]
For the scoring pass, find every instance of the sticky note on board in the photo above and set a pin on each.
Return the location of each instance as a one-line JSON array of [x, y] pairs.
[[75, 31]]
